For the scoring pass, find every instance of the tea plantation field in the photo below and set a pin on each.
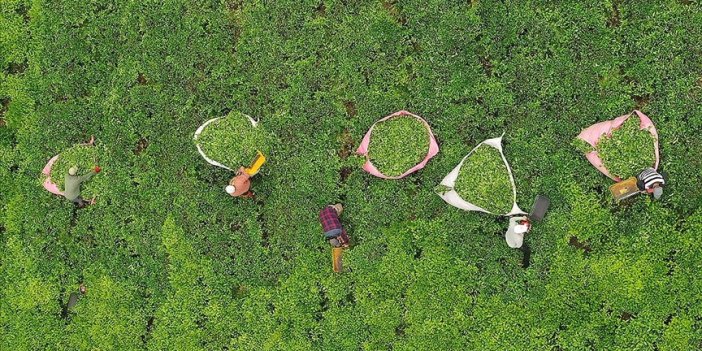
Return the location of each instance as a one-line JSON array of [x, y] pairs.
[[171, 262]]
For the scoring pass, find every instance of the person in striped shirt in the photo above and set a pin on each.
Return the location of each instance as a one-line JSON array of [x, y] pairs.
[[651, 182]]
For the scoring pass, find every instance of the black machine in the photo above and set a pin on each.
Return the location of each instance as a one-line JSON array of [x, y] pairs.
[[538, 210]]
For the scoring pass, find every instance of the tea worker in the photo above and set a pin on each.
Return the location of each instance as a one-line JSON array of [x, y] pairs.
[[331, 225], [240, 185], [72, 185], [518, 227], [651, 182]]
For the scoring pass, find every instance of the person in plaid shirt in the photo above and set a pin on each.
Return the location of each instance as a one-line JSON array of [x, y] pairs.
[[331, 225]]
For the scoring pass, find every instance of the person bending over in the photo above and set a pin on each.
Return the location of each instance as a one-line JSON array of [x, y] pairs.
[[73, 183], [651, 182], [331, 225]]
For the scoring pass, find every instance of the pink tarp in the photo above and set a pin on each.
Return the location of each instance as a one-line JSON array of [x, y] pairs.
[[592, 135], [370, 168], [48, 184]]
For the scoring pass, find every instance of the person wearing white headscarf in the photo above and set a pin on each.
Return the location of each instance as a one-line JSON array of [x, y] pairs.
[[518, 227]]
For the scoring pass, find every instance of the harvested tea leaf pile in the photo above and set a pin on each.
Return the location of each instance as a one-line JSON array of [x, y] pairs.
[[82, 156], [628, 151], [232, 140], [398, 144], [484, 181]]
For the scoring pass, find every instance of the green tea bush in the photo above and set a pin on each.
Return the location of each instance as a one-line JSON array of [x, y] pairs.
[[628, 151], [232, 140], [484, 181], [108, 303], [398, 144], [176, 321], [171, 262]]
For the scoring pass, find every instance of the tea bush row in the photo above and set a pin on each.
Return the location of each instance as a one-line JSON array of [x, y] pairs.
[[172, 262]]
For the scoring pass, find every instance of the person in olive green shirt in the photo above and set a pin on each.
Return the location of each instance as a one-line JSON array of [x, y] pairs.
[[72, 186]]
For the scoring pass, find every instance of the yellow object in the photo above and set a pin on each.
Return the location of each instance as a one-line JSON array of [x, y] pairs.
[[336, 259], [255, 166], [624, 189]]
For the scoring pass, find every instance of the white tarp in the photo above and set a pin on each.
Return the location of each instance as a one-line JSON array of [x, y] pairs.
[[452, 197], [202, 153]]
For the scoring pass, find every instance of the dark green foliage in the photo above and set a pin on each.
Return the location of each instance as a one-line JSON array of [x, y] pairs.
[[484, 181], [628, 151], [83, 157], [177, 318], [398, 144], [232, 140], [171, 262], [111, 303]]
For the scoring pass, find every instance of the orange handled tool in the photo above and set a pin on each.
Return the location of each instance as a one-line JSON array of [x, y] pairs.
[[255, 166], [336, 259]]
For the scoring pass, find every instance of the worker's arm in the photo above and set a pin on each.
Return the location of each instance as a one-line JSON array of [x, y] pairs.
[[343, 238], [515, 220], [91, 174], [242, 172], [87, 176]]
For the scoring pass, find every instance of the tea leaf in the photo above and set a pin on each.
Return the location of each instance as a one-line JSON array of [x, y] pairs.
[[232, 140], [484, 181], [398, 144], [628, 151]]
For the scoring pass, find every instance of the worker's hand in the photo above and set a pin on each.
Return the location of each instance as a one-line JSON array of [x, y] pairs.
[[343, 239], [98, 169]]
